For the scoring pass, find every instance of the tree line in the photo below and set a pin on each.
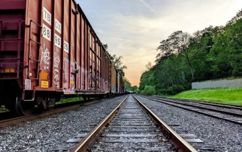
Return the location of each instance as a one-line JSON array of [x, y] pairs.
[[212, 53]]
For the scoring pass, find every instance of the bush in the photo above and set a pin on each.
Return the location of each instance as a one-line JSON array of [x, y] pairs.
[[148, 90]]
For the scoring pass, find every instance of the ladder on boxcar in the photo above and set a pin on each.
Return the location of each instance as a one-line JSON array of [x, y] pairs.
[[34, 43], [33, 64]]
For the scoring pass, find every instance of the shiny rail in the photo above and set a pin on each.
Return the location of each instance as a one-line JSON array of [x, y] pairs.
[[31, 117], [208, 111], [179, 143], [91, 137]]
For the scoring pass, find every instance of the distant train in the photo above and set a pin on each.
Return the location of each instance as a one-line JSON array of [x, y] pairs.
[[49, 49]]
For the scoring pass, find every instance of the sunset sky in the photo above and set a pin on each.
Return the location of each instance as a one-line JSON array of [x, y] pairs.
[[134, 28]]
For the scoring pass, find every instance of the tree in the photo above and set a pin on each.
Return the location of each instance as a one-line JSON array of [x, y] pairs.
[[127, 84], [149, 66], [129, 87], [117, 62], [212, 53], [236, 18], [135, 88], [147, 78], [105, 46], [175, 44]]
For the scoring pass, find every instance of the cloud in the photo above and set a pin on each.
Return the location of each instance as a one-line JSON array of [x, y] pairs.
[[147, 5]]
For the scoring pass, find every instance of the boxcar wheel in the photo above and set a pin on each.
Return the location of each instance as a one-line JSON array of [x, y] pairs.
[[42, 104], [45, 104], [18, 106], [15, 106]]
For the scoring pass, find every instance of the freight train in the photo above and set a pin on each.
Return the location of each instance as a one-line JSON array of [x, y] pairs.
[[48, 49]]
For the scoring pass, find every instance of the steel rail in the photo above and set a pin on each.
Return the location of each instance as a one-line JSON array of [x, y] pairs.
[[91, 137], [30, 117], [200, 105], [188, 108], [58, 109], [177, 140], [227, 106]]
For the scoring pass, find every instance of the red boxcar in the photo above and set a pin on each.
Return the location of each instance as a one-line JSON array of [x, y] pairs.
[[48, 48]]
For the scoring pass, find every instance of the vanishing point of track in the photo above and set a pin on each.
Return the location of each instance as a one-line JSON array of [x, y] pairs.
[[131, 125]]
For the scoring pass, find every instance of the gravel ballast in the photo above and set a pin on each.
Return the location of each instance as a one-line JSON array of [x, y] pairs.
[[52, 134], [217, 135], [132, 130]]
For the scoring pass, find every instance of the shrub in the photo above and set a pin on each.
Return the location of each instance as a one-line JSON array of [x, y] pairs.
[[148, 90]]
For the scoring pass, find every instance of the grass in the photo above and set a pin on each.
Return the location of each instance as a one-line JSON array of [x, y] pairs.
[[3, 109], [221, 96], [62, 101], [69, 100]]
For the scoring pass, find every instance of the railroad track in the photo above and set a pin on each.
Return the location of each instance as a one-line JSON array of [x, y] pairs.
[[131, 126], [224, 112], [31, 117], [203, 103], [13, 120]]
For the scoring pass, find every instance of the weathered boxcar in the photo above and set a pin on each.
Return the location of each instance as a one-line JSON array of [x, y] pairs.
[[48, 48], [120, 82], [113, 79], [117, 81]]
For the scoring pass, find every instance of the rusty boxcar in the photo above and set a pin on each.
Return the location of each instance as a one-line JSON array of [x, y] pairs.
[[48, 48]]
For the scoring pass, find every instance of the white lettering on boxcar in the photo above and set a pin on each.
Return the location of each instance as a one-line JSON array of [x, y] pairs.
[[58, 26], [46, 16], [45, 58], [66, 47], [57, 41], [46, 31]]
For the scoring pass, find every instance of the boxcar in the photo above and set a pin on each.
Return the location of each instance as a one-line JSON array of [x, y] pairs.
[[120, 82], [113, 80], [117, 81], [48, 48]]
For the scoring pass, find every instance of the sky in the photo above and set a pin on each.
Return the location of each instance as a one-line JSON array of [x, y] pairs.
[[133, 28]]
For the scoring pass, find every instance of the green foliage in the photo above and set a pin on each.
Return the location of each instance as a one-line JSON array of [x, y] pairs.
[[128, 86], [171, 75], [148, 90], [70, 100], [147, 78], [135, 88], [3, 109], [222, 96], [228, 46], [212, 53]]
